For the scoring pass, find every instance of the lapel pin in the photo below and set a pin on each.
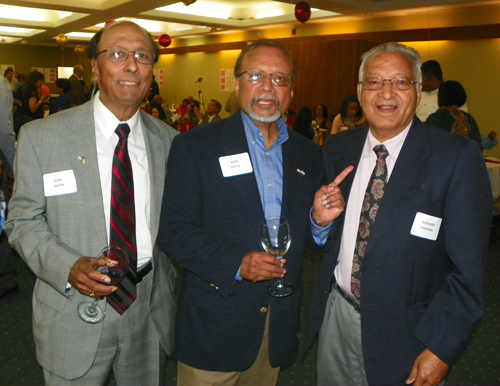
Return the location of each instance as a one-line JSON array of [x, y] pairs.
[[81, 159], [301, 172]]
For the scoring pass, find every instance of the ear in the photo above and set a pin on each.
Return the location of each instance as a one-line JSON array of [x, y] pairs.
[[359, 89], [95, 70]]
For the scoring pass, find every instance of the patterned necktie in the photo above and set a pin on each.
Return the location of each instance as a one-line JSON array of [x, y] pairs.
[[373, 197], [122, 220]]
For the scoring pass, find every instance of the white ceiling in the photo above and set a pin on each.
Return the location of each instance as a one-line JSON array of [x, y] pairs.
[[203, 17]]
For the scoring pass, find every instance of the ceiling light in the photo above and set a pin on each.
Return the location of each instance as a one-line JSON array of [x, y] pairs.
[[188, 2]]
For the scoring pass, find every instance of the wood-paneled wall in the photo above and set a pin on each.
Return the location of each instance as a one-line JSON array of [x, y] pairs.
[[327, 71]]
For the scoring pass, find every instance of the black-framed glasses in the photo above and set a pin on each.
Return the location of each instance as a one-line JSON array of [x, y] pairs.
[[398, 83], [259, 76], [119, 54]]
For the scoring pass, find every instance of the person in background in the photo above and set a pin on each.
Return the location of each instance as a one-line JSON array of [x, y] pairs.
[[62, 102], [33, 99], [232, 106], [400, 289], [8, 273], [212, 114], [60, 225], [302, 124], [351, 116], [8, 75], [319, 123], [229, 330], [450, 117], [157, 111], [77, 93], [432, 78], [490, 141]]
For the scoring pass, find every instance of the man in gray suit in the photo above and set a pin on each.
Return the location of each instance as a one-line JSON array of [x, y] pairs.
[[212, 114], [60, 220]]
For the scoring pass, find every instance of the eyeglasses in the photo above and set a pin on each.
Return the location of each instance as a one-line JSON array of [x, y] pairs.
[[119, 54], [398, 83], [259, 76]]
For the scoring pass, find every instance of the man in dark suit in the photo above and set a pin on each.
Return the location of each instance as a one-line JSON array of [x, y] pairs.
[[397, 302], [77, 91], [212, 114], [62, 215], [222, 180]]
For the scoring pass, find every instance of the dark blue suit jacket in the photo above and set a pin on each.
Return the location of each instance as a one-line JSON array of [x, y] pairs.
[[209, 223], [416, 293]]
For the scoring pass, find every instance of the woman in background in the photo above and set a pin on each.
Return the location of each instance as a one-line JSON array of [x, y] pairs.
[[33, 100], [302, 123], [449, 117], [350, 116]]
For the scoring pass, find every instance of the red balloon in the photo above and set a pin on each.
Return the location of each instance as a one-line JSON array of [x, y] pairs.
[[164, 40], [302, 11], [108, 23]]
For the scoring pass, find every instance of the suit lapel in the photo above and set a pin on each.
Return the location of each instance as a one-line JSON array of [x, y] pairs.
[[81, 143], [410, 169], [156, 162], [244, 187]]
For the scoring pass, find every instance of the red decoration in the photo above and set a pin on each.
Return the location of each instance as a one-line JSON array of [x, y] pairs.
[[302, 11], [108, 23], [164, 40]]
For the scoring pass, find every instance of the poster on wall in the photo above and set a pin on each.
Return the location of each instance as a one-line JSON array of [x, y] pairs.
[[160, 77], [50, 75], [226, 79], [6, 67]]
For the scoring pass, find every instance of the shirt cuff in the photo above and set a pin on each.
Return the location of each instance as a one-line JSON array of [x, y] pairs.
[[319, 234]]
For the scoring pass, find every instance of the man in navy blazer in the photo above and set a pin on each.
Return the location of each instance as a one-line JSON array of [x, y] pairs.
[[421, 292], [223, 179]]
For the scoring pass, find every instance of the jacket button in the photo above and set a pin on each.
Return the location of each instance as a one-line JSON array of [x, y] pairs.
[[214, 286], [263, 310]]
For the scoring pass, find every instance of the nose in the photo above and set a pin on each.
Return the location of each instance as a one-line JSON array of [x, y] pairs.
[[131, 63], [268, 82], [387, 91]]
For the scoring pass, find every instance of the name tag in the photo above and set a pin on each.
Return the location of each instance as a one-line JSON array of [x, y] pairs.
[[55, 184], [234, 165], [426, 226]]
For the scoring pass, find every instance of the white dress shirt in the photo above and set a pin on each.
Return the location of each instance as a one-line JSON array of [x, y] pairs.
[[355, 201], [106, 140]]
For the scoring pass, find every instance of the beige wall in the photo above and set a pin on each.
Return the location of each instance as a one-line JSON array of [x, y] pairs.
[[183, 70]]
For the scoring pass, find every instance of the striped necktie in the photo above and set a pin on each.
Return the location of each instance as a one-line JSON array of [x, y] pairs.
[[122, 220]]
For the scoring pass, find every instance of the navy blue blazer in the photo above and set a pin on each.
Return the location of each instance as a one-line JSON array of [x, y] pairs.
[[209, 223], [417, 293]]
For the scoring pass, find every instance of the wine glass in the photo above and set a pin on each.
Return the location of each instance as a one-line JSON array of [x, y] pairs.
[[276, 240], [91, 312]]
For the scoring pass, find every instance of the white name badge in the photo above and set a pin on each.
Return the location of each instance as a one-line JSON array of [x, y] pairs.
[[426, 226], [55, 184], [234, 165]]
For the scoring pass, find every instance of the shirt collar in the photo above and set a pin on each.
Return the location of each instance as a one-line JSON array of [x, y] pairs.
[[253, 133], [392, 145], [107, 122]]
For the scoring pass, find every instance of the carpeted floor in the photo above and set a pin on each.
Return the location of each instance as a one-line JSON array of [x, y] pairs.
[[479, 364]]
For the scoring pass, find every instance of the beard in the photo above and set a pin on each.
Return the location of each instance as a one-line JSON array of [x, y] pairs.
[[264, 118]]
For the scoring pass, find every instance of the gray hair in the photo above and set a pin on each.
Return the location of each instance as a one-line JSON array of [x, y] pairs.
[[266, 43], [410, 53]]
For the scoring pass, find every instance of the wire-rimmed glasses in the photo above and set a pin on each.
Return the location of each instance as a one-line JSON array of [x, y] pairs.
[[259, 76], [398, 83], [120, 54]]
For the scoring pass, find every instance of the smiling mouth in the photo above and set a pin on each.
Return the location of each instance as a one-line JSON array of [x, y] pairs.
[[125, 83], [387, 108]]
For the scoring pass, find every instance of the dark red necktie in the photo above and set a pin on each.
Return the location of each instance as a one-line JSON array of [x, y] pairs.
[[122, 220]]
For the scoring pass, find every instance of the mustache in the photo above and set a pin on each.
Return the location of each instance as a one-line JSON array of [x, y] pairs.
[[265, 96]]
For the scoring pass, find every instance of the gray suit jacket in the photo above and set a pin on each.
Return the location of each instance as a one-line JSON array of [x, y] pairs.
[[51, 233]]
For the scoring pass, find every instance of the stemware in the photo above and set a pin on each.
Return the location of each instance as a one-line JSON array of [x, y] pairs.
[[276, 240], [91, 312]]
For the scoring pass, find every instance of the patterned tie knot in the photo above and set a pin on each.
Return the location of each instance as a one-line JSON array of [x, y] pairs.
[[122, 131], [381, 151]]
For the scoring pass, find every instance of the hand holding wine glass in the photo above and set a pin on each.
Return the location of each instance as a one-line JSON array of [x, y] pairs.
[[276, 240], [112, 262]]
